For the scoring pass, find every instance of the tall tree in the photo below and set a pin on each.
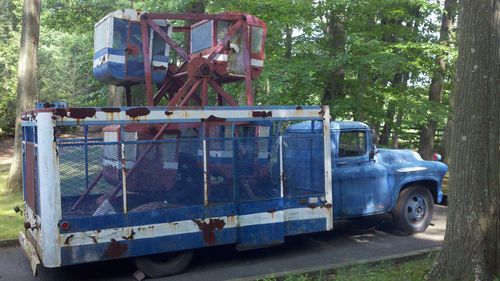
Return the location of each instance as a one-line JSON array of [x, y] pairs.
[[27, 84], [471, 249], [336, 41], [427, 134]]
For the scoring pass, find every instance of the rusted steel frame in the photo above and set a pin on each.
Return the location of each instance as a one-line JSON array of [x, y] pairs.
[[204, 92], [197, 99], [166, 85], [221, 92], [87, 191], [161, 92], [181, 29], [160, 133], [193, 16], [222, 44], [246, 63], [148, 79], [181, 74], [182, 91], [190, 93], [166, 38]]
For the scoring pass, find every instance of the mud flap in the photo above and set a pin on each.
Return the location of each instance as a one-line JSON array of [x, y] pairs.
[[30, 251]]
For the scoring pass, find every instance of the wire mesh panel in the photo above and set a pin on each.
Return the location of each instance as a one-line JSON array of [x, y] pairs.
[[81, 172], [258, 168], [220, 170], [303, 163]]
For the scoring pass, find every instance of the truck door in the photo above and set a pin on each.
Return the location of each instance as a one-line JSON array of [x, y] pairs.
[[362, 183]]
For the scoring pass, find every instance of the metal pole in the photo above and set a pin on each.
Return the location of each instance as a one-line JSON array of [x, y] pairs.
[[124, 171], [86, 131], [282, 174]]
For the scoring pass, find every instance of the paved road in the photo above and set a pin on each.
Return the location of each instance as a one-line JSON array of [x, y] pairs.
[[351, 240]]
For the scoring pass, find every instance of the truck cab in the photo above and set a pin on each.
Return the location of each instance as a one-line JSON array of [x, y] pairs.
[[368, 180]]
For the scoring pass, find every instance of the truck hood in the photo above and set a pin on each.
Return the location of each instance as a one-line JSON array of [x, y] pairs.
[[405, 160]]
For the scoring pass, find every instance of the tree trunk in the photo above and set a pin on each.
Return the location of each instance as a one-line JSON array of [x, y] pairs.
[[26, 86], [471, 249], [335, 34], [427, 134], [288, 41], [115, 95], [395, 134], [385, 135]]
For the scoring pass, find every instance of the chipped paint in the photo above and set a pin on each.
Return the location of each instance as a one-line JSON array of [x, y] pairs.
[[137, 112], [115, 249], [209, 228], [81, 113], [68, 239]]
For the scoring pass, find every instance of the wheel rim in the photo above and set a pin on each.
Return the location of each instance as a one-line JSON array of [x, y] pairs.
[[416, 208]]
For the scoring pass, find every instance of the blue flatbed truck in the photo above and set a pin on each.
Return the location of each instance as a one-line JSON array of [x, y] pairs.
[[98, 188]]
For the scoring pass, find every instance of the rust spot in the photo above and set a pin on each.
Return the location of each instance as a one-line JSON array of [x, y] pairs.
[[66, 242], [130, 237], [212, 118], [272, 210], [209, 228], [312, 206], [61, 112], [138, 111], [322, 111], [115, 249], [81, 113], [298, 107], [262, 114], [93, 239], [110, 109], [328, 206], [168, 113]]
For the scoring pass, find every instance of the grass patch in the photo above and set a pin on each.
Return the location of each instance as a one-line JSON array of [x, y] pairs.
[[10, 221], [414, 270]]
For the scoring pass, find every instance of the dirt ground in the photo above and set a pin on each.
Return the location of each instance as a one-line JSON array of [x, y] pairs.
[[6, 150]]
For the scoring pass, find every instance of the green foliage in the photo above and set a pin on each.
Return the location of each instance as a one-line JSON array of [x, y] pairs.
[[388, 60], [10, 26]]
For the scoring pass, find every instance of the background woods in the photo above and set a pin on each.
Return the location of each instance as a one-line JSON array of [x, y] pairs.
[[389, 63], [385, 62]]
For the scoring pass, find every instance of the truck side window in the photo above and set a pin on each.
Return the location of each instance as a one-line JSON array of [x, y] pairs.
[[352, 144]]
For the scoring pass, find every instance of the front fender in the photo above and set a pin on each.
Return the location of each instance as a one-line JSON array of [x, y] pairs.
[[427, 173]]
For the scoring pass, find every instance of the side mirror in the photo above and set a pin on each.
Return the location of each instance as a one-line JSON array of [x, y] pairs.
[[373, 151]]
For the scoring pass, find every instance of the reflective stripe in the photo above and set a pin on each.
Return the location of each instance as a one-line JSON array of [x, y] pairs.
[[189, 226], [121, 60]]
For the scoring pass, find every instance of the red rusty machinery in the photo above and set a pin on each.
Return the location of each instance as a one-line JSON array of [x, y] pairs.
[[221, 48]]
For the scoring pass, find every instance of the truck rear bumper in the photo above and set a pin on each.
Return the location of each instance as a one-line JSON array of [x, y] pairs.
[[30, 251]]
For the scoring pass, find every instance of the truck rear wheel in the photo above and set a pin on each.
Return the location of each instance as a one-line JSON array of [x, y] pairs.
[[164, 264], [414, 209]]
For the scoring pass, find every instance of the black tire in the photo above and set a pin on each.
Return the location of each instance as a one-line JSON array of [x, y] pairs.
[[164, 264], [414, 209]]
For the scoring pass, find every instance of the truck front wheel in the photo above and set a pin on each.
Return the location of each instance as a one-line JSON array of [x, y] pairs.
[[414, 209], [164, 264]]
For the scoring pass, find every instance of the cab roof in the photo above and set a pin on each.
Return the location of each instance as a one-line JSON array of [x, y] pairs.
[[306, 126]]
